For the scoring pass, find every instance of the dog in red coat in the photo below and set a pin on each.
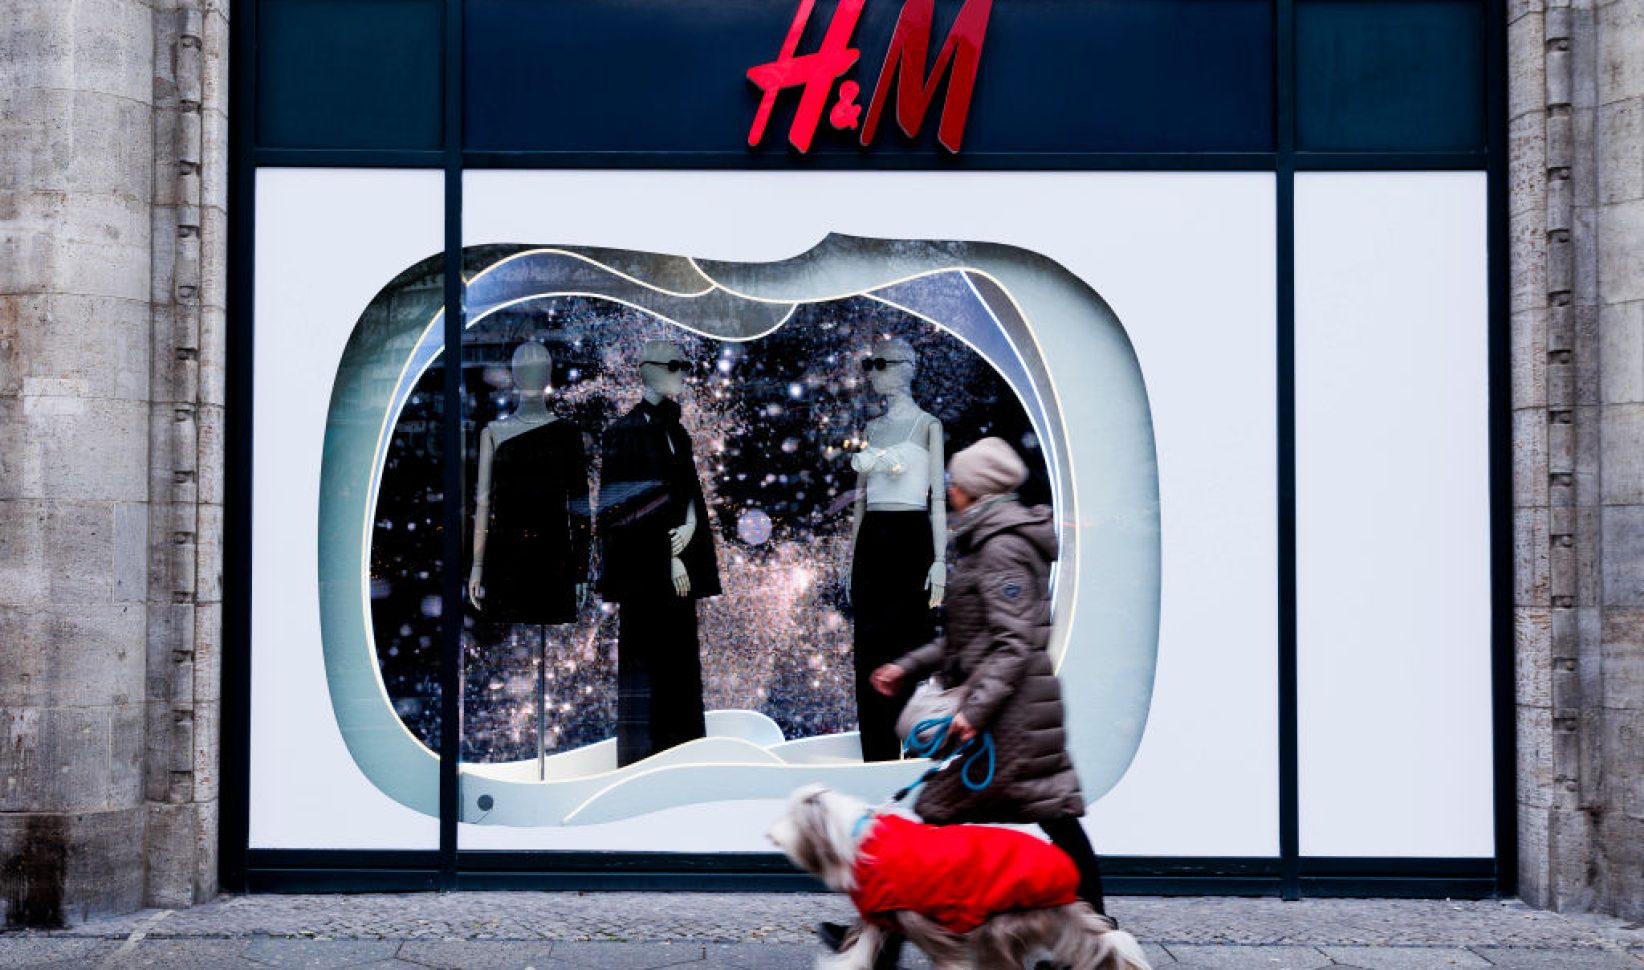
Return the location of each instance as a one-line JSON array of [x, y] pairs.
[[967, 895]]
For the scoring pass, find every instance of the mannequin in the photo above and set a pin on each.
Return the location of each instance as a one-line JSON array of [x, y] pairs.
[[531, 518], [899, 532], [657, 555]]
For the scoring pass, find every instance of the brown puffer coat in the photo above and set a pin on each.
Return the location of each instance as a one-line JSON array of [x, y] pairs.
[[998, 623]]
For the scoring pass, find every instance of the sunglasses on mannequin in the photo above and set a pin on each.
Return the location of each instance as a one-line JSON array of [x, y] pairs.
[[872, 364], [673, 366]]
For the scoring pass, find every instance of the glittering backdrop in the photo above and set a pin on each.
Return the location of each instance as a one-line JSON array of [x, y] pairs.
[[767, 419]]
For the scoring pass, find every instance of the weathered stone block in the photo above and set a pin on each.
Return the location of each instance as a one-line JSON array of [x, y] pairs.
[[1623, 540], [1526, 66], [1623, 884], [1533, 655], [1620, 53], [1530, 467], [56, 552], [1533, 855], [1527, 241], [209, 457], [93, 244], [172, 833], [99, 341], [71, 656], [1587, 562], [1621, 150], [207, 730], [76, 446], [208, 555], [1535, 756], [1621, 336], [46, 154], [1623, 683], [208, 640], [1587, 450], [77, 867], [1529, 359], [56, 759], [1620, 258], [213, 351], [1623, 471]]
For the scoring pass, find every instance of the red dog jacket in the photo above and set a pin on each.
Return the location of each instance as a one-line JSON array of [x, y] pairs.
[[957, 875]]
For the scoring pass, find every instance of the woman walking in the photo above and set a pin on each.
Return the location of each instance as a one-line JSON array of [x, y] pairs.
[[998, 625]]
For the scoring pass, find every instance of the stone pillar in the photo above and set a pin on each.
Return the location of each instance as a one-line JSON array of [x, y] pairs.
[[111, 364], [1576, 86], [76, 120]]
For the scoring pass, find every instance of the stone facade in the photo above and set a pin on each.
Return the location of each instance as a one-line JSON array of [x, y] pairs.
[[112, 242], [113, 179], [1576, 122]]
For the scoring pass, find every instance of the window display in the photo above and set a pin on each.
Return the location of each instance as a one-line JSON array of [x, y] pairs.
[[700, 517]]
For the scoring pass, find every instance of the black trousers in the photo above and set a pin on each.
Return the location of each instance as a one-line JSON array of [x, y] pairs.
[[893, 616], [659, 677], [1069, 836]]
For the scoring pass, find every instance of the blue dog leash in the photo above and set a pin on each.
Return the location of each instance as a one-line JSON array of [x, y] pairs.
[[930, 736]]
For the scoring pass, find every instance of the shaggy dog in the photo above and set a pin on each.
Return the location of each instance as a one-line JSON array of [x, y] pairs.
[[971, 912]]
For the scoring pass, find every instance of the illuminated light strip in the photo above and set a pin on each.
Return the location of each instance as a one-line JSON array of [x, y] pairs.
[[556, 251]]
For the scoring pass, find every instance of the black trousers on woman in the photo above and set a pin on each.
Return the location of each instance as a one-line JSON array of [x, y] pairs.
[[1069, 836], [893, 615]]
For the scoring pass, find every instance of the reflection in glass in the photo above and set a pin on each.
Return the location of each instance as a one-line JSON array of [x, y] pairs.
[[772, 423]]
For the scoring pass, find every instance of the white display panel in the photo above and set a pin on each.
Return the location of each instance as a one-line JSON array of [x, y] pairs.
[[1186, 262], [1393, 514], [326, 242]]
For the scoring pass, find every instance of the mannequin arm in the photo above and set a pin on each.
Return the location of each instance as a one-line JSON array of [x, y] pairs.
[[859, 506], [680, 536], [938, 579], [579, 513], [482, 514]]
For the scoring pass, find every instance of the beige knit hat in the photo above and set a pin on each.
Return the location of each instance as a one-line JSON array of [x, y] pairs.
[[989, 467]]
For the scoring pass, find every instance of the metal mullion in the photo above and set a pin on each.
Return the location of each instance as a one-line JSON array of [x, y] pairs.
[[1285, 256], [451, 446], [234, 799], [1503, 675]]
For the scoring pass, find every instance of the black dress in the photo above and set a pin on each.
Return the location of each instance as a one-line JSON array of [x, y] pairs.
[[536, 544], [647, 481]]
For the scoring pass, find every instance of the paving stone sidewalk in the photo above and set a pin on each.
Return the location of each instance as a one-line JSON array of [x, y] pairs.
[[635, 931]]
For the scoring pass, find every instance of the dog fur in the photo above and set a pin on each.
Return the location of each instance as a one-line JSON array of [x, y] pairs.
[[818, 833]]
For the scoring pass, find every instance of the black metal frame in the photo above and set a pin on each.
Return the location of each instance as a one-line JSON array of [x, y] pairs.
[[1290, 875]]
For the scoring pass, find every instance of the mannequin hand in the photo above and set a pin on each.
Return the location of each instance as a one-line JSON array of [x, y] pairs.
[[887, 679], [476, 592], [682, 579], [962, 728], [937, 582], [868, 458], [679, 538]]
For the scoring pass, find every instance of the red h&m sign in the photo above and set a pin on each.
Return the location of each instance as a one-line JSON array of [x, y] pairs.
[[904, 68]]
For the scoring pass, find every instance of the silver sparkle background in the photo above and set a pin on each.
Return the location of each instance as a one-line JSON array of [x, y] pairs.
[[770, 421]]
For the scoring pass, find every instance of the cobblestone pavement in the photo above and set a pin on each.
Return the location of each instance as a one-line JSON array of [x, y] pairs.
[[633, 931]]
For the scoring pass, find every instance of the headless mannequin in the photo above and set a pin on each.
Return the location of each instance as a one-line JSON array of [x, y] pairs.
[[558, 462], [903, 552], [658, 560]]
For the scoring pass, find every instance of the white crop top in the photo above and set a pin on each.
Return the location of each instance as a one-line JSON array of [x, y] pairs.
[[898, 474]]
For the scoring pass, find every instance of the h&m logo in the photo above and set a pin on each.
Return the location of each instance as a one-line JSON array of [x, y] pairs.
[[904, 68]]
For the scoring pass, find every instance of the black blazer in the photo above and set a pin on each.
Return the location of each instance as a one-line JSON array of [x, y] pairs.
[[644, 486]]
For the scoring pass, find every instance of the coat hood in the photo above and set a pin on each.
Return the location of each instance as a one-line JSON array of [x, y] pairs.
[[1037, 524]]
